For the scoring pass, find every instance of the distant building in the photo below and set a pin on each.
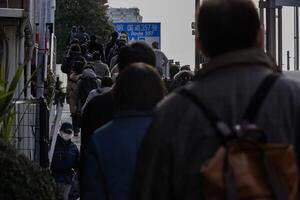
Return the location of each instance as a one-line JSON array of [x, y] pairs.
[[118, 15]]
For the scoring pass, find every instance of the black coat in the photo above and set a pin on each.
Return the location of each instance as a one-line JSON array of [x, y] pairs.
[[65, 161], [69, 61], [97, 112], [95, 46]]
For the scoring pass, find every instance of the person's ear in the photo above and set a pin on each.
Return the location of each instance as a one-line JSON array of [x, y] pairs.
[[260, 43]]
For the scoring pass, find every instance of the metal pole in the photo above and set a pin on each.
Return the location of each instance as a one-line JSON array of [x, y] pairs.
[[280, 37], [271, 28], [197, 56], [39, 137], [42, 51], [262, 18], [296, 45], [288, 60]]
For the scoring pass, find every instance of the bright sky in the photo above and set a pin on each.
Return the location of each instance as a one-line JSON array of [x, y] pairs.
[[176, 17]]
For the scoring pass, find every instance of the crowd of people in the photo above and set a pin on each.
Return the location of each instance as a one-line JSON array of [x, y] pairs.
[[94, 74], [151, 130]]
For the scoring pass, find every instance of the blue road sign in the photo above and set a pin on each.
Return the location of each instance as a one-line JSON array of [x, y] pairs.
[[147, 32]]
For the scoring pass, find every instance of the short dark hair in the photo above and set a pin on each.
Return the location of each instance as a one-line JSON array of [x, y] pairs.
[[174, 69], [84, 48], [75, 48], [134, 53], [75, 41], [96, 55], [139, 88], [155, 45], [227, 25], [115, 35]]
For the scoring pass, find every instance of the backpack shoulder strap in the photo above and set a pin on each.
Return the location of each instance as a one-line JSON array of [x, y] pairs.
[[259, 97], [220, 127]]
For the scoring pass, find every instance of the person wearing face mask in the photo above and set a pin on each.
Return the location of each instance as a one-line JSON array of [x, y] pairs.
[[65, 158]]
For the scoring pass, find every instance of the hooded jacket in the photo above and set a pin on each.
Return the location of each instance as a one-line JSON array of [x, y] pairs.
[[68, 62], [87, 82]]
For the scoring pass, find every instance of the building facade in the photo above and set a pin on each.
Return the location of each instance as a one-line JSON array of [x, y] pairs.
[[19, 47], [119, 15]]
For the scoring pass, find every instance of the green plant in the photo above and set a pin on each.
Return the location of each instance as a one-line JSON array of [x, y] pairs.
[[22, 179], [89, 13], [6, 105], [49, 86]]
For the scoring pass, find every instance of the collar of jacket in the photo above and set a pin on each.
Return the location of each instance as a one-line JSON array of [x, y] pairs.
[[240, 58], [126, 114]]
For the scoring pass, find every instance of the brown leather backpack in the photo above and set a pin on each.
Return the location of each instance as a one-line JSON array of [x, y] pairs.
[[246, 166]]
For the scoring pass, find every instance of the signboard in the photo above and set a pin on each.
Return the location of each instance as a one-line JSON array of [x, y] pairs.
[[147, 32]]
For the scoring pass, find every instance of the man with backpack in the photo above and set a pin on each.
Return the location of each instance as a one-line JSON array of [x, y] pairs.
[[234, 132], [74, 56], [87, 82]]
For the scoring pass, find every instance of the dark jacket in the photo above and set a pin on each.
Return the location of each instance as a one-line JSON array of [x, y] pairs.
[[69, 61], [88, 81], [96, 113], [180, 138], [65, 161], [95, 46], [108, 48], [110, 157]]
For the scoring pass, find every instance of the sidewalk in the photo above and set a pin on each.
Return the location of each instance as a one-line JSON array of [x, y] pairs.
[[66, 112]]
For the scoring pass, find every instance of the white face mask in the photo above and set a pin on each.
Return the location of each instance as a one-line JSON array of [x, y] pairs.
[[66, 136]]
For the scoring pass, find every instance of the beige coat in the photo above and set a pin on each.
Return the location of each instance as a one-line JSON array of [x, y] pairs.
[[72, 96]]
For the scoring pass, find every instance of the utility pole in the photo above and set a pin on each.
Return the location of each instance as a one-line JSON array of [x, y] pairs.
[[296, 33], [42, 49], [279, 22], [41, 137], [271, 27], [197, 56], [288, 60]]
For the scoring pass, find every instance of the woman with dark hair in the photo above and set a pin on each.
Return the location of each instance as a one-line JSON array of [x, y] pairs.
[[111, 153]]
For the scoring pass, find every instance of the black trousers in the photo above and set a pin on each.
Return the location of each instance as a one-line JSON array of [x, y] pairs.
[[76, 123]]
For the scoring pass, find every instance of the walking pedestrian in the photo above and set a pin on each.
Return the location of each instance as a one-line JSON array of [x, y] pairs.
[[72, 95], [65, 158], [110, 45], [72, 35], [95, 46], [82, 36], [101, 108], [74, 55], [162, 61], [101, 68], [88, 81], [110, 157], [235, 92]]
